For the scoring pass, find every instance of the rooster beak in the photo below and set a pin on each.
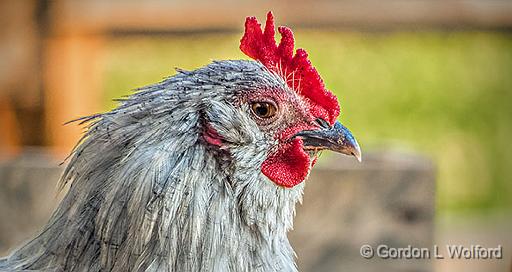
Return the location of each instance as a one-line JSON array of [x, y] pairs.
[[336, 138]]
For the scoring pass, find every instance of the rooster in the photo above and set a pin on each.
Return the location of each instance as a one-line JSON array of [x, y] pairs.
[[200, 172]]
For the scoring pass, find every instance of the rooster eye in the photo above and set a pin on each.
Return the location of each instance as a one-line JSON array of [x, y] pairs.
[[263, 109]]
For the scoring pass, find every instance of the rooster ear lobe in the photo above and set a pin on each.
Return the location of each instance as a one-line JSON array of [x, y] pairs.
[[211, 136]]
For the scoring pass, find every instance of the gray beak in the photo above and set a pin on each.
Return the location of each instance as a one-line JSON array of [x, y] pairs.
[[336, 138]]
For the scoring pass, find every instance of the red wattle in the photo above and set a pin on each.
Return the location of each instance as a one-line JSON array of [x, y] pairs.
[[288, 166]]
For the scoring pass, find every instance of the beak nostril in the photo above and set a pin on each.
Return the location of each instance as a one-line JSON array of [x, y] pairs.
[[322, 123]]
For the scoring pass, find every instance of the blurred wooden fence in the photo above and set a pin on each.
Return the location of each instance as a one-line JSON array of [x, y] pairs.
[[51, 50], [388, 199]]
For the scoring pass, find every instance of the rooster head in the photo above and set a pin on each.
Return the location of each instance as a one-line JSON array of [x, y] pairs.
[[287, 102]]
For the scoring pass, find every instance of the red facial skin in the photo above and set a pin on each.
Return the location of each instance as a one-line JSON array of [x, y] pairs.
[[290, 164]]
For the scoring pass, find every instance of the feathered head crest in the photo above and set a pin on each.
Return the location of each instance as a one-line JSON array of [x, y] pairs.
[[296, 69]]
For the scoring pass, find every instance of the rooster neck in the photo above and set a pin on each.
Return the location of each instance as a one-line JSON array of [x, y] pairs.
[[230, 217], [235, 217]]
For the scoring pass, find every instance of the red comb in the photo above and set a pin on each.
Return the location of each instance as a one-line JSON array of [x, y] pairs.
[[296, 69]]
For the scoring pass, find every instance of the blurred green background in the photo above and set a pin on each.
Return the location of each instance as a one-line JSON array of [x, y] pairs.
[[446, 94]]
